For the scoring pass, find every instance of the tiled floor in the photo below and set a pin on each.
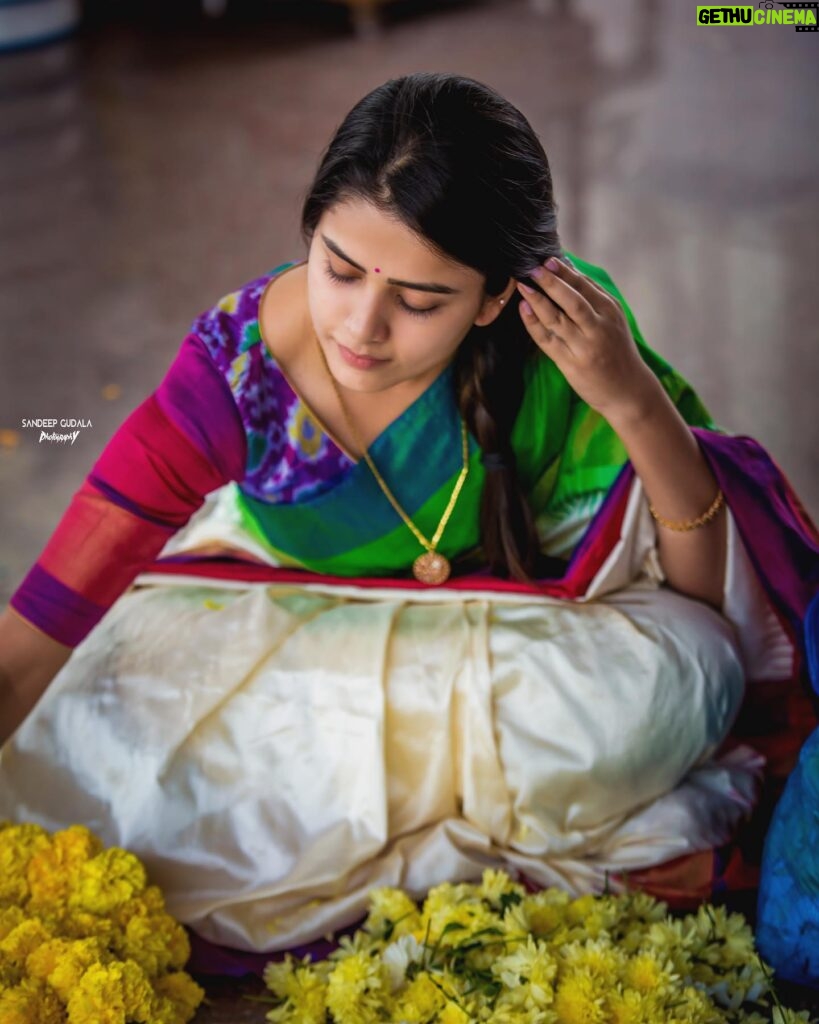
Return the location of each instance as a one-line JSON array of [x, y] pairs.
[[150, 167]]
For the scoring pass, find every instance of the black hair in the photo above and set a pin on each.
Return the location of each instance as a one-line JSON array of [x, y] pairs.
[[463, 169]]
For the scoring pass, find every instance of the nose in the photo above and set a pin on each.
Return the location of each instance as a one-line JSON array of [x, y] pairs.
[[366, 323]]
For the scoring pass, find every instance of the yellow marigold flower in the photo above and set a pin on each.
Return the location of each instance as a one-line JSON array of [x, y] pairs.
[[165, 1012], [687, 1006], [648, 972], [63, 962], [358, 942], [590, 916], [182, 991], [392, 913], [30, 1002], [625, 1007], [515, 922], [156, 943], [80, 924], [149, 903], [598, 957], [42, 961], [306, 1001], [453, 918], [577, 1001], [277, 973], [356, 990], [581, 908], [53, 870], [113, 993], [24, 939], [497, 884], [725, 939], [18, 844], [530, 965], [83, 954], [639, 906], [300, 984], [138, 992], [58, 937], [453, 1014], [671, 938], [419, 1001], [10, 917], [107, 881], [546, 912]]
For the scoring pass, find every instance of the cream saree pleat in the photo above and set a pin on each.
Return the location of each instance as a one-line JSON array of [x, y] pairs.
[[273, 752]]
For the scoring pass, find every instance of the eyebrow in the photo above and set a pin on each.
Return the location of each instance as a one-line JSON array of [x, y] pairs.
[[426, 286]]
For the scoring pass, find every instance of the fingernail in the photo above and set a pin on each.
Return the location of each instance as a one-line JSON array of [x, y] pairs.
[[525, 307], [552, 263], [535, 272], [526, 288]]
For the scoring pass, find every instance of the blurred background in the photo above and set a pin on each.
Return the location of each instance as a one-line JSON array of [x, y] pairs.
[[155, 156]]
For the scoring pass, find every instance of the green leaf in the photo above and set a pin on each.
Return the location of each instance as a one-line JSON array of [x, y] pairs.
[[510, 899]]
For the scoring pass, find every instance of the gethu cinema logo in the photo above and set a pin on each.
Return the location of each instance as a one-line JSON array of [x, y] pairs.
[[801, 15]]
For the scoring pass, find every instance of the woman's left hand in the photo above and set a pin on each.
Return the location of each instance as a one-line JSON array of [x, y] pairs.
[[583, 329]]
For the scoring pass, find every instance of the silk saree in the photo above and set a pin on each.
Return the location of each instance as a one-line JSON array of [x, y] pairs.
[[267, 709]]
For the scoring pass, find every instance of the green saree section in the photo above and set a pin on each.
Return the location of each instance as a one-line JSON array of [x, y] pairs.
[[591, 454], [565, 452], [353, 529]]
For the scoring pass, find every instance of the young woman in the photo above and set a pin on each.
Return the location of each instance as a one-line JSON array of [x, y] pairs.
[[492, 593]]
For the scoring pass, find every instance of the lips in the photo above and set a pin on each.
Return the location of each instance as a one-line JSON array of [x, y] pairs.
[[363, 355], [361, 361]]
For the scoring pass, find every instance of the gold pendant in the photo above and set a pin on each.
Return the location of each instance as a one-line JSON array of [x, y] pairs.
[[431, 567]]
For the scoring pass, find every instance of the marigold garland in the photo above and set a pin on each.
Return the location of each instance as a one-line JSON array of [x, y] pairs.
[[83, 938], [494, 952]]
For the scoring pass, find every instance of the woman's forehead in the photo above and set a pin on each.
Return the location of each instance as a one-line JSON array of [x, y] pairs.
[[376, 241]]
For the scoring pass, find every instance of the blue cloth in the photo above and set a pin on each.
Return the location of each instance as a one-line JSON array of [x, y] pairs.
[[788, 907]]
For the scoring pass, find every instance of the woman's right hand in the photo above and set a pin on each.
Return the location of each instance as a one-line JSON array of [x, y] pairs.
[[29, 660]]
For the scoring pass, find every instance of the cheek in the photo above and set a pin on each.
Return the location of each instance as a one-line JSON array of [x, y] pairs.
[[431, 344], [322, 301]]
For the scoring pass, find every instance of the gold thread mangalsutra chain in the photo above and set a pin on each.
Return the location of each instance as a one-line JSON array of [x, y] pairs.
[[431, 567]]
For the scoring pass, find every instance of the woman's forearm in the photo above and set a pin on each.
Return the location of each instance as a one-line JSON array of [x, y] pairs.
[[29, 660], [680, 486]]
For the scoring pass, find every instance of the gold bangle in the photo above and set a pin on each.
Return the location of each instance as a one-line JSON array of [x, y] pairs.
[[691, 524]]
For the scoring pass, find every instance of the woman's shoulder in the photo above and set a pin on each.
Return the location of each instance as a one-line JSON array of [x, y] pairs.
[[230, 327]]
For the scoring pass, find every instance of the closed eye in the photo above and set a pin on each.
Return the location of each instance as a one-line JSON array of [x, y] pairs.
[[341, 279]]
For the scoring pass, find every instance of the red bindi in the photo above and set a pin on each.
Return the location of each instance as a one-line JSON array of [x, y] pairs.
[[377, 270]]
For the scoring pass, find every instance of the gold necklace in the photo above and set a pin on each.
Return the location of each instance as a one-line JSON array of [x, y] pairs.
[[432, 567]]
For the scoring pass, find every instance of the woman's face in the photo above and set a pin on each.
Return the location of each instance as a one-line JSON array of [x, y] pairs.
[[364, 276]]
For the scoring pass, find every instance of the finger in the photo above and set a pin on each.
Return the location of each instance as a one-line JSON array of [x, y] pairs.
[[548, 312], [594, 293], [573, 303], [544, 336]]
